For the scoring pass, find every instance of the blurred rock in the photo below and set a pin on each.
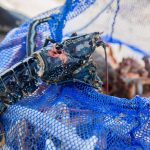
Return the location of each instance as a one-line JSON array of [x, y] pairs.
[[9, 20]]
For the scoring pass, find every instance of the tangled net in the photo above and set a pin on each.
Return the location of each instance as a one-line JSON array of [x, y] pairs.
[[72, 115]]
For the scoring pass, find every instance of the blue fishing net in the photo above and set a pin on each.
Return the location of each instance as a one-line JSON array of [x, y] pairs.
[[71, 116], [75, 116]]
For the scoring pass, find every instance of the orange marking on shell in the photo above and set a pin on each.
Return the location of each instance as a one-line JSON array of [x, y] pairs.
[[60, 54]]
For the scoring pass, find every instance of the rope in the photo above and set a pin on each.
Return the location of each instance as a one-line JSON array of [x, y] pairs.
[[114, 19]]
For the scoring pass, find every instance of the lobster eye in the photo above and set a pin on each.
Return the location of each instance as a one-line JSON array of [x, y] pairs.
[[59, 51], [59, 46]]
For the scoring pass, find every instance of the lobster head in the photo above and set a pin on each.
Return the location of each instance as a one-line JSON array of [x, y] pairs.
[[63, 59]]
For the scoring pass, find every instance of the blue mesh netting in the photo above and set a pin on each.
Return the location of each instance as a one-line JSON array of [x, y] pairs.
[[70, 116], [75, 116]]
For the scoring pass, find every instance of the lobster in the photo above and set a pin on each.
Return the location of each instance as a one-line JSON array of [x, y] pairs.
[[53, 63]]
